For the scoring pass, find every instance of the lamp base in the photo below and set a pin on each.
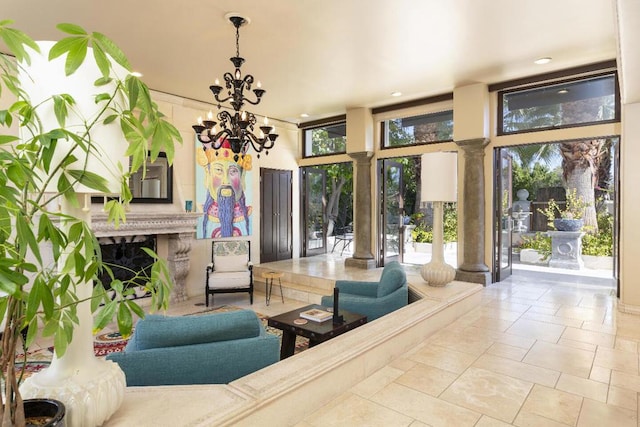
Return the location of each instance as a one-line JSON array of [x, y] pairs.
[[91, 395], [437, 273]]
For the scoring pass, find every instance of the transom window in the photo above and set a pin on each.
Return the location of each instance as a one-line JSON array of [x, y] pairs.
[[566, 104], [325, 140], [423, 129]]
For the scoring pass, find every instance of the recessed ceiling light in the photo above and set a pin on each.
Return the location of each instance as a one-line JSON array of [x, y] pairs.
[[396, 93], [563, 91], [541, 61], [304, 115], [136, 74]]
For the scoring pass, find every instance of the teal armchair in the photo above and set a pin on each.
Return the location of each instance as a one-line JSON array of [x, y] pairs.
[[373, 299]]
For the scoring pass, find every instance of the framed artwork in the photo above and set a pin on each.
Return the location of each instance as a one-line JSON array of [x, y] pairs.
[[223, 192]]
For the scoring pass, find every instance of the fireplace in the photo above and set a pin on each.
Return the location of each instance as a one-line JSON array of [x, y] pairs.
[[126, 258], [171, 233]]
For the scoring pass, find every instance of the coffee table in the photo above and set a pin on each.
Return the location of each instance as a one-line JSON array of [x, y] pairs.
[[317, 332]]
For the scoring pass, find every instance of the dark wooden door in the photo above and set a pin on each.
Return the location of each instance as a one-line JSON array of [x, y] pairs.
[[276, 235]]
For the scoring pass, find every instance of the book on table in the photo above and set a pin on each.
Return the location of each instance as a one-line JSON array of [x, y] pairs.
[[316, 315]]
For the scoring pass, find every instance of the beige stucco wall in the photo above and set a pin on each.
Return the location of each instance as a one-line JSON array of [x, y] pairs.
[[629, 208], [183, 114]]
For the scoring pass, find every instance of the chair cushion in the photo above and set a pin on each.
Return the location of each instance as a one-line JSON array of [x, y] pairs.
[[230, 263], [155, 331], [232, 279]]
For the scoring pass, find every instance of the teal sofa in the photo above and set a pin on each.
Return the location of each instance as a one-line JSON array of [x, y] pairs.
[[373, 299], [205, 349]]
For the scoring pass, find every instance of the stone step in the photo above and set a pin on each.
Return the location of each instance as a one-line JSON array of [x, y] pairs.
[[295, 286]]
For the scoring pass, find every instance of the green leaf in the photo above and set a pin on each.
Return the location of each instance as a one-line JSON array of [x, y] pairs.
[[32, 332], [111, 49], [102, 97], [133, 88], [104, 316], [101, 59], [103, 81], [16, 41], [110, 119], [60, 342], [25, 234], [76, 49], [60, 109], [6, 139], [90, 179], [71, 29], [33, 301], [6, 119], [125, 320]]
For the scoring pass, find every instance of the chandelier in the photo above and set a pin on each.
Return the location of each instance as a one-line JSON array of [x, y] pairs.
[[237, 127]]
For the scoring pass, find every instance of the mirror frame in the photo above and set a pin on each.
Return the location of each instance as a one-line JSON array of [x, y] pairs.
[[168, 178]]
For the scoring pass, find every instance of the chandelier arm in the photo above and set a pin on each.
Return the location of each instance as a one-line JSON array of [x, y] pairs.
[[260, 144], [229, 79]]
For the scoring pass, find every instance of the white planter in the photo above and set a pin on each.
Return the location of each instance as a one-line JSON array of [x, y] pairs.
[[422, 247], [531, 256], [598, 262]]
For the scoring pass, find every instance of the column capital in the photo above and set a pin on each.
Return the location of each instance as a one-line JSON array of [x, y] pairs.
[[475, 143], [361, 155]]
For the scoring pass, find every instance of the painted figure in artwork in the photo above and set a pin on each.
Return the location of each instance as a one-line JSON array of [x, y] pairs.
[[225, 206]]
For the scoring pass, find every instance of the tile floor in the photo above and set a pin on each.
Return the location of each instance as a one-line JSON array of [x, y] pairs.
[[539, 351]]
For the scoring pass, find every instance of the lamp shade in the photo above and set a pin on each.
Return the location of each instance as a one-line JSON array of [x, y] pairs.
[[439, 177], [41, 79]]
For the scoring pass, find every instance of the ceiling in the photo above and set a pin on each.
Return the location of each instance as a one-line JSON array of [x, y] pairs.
[[322, 57]]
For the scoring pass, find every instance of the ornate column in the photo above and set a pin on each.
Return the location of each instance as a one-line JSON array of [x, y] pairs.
[[473, 269], [362, 256], [178, 263]]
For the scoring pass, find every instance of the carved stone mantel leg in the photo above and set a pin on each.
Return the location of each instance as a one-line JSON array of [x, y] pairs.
[[362, 257], [178, 263], [473, 269]]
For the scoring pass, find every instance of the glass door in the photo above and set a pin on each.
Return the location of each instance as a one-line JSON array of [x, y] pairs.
[[503, 222], [392, 212], [315, 199]]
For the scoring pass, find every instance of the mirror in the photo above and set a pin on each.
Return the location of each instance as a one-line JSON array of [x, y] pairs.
[[157, 185]]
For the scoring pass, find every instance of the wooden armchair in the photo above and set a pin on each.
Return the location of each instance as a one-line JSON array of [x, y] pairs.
[[231, 269]]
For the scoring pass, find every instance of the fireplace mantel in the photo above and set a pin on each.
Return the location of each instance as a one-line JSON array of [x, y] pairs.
[[143, 223], [178, 228]]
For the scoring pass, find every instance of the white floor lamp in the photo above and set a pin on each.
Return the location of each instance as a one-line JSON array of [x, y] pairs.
[[438, 179], [92, 389]]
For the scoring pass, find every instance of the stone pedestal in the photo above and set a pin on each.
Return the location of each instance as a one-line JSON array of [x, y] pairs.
[[566, 249]]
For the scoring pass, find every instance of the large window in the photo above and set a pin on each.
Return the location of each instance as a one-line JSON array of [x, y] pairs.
[[422, 129], [566, 104], [325, 140]]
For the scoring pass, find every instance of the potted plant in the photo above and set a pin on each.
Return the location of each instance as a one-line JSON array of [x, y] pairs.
[[422, 237], [568, 218], [39, 296]]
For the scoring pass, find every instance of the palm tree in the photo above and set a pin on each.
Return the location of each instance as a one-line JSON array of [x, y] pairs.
[[581, 159]]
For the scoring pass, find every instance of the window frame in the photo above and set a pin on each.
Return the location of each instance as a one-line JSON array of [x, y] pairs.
[[310, 126], [543, 84], [384, 134]]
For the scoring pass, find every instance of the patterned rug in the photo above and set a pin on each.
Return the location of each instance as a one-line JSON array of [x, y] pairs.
[[112, 342], [40, 359]]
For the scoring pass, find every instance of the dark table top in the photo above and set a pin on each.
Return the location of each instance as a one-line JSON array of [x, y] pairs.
[[312, 329]]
